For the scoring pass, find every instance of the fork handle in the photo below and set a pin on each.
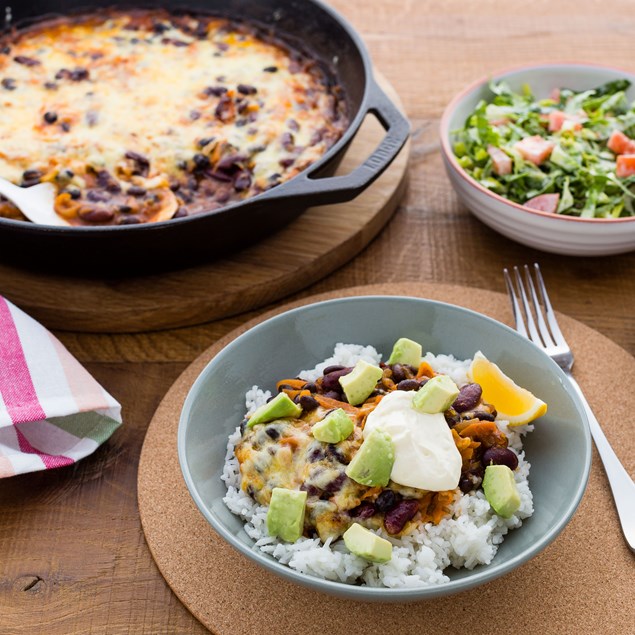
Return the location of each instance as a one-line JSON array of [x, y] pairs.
[[621, 483]]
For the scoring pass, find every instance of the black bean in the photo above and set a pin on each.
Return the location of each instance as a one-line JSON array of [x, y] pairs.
[[293, 125], [331, 380], [363, 511], [286, 163], [50, 117], [8, 83], [468, 398], [272, 432], [205, 141], [173, 41], [5, 50], [398, 373], [201, 161], [26, 61], [75, 193], [334, 452], [136, 190], [500, 456], [50, 85], [245, 89], [125, 209], [387, 500], [159, 28], [396, 519], [308, 403], [181, 212], [333, 394], [65, 126], [408, 384], [194, 115], [481, 415], [222, 195], [310, 386], [270, 69], [30, 183]]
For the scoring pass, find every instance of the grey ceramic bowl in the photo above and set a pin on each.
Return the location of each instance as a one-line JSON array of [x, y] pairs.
[[559, 449]]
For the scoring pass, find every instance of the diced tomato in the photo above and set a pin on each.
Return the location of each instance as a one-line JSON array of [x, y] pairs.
[[544, 202], [621, 144], [535, 149], [557, 118], [502, 163], [625, 165], [555, 94]]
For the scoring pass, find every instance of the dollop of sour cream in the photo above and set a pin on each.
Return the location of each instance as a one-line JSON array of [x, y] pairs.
[[426, 456]]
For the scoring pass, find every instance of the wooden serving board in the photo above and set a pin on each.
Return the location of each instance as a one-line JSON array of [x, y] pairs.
[[314, 245], [581, 583]]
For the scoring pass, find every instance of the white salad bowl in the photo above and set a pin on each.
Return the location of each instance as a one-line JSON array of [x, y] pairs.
[[559, 448], [550, 232]]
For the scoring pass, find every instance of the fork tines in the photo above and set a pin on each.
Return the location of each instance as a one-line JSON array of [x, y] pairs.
[[539, 322]]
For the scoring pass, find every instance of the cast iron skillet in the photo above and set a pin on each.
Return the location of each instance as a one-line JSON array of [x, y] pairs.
[[154, 246]]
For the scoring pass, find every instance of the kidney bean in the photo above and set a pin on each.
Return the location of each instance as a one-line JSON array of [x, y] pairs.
[[331, 381], [468, 398], [242, 182], [287, 140], [181, 212], [128, 220], [311, 490], [481, 415], [316, 454], [332, 369], [396, 519], [398, 373], [97, 196], [387, 500], [96, 215], [136, 190], [270, 69], [31, 175], [408, 384], [215, 91], [245, 89], [333, 394], [500, 456], [310, 386], [201, 161], [26, 61], [363, 511], [336, 484], [308, 403]]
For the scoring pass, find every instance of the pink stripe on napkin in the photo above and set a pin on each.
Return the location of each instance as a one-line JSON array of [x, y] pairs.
[[16, 386], [50, 460]]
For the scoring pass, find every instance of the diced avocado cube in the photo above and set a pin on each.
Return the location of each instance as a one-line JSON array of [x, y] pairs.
[[285, 517], [436, 395], [335, 427], [500, 490], [364, 543], [360, 382], [373, 462], [406, 351], [279, 407]]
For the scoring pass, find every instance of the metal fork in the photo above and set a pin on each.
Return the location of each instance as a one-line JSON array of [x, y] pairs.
[[548, 337]]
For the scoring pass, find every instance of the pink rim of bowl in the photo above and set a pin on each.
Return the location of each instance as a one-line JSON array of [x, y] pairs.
[[478, 84]]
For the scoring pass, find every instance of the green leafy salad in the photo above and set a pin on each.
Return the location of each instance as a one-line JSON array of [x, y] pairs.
[[572, 153]]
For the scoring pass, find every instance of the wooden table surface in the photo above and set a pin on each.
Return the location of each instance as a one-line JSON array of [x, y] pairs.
[[72, 554]]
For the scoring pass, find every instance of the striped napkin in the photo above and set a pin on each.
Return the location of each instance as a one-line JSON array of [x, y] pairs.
[[52, 412]]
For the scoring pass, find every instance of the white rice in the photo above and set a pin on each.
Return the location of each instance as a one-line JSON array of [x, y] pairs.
[[467, 538]]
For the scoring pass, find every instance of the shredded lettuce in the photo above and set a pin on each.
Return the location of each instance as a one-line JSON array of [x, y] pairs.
[[581, 168]]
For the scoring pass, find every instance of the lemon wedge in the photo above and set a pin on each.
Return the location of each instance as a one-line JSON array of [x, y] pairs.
[[513, 403]]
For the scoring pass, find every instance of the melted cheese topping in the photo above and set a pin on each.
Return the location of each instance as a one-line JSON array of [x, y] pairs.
[[184, 93]]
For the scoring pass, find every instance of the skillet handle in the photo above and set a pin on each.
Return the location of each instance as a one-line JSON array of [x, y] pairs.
[[308, 190]]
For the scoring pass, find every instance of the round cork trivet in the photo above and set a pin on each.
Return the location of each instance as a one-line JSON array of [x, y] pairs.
[[582, 583], [319, 241]]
